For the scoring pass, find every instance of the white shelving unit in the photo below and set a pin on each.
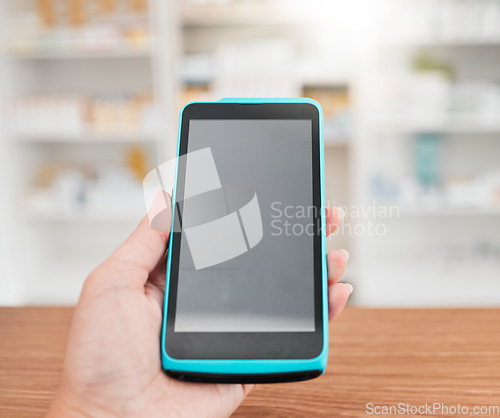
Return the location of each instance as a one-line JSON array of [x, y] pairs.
[[73, 55], [56, 241], [436, 251], [89, 137], [433, 253], [56, 246]]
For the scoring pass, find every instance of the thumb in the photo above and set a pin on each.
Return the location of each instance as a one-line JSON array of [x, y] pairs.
[[214, 400], [143, 249], [233, 396], [160, 212]]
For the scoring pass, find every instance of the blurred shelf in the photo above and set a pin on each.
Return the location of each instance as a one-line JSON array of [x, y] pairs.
[[91, 138], [60, 282], [243, 14], [319, 79], [83, 215], [340, 142], [78, 55], [306, 81], [199, 69], [351, 273], [442, 43], [428, 282], [106, 61], [492, 211], [452, 212], [458, 128]]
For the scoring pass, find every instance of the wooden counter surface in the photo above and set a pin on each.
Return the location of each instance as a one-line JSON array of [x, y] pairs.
[[379, 356]]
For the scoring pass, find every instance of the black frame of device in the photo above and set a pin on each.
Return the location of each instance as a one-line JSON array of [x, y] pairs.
[[250, 345]]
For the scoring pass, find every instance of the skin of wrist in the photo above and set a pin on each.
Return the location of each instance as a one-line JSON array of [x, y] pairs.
[[66, 404]]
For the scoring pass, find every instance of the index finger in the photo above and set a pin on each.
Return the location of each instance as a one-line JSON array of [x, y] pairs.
[[333, 218]]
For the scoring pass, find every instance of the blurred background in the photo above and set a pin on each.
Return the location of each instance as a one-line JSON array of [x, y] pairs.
[[90, 93]]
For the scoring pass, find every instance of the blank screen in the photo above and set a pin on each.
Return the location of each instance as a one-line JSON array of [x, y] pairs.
[[270, 286]]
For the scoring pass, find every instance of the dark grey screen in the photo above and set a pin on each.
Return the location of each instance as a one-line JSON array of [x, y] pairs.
[[269, 287]]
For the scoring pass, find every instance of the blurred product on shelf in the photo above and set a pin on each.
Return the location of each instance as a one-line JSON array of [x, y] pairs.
[[430, 100], [194, 93], [137, 163], [113, 190], [476, 102], [246, 13], [52, 12], [440, 20], [77, 12], [384, 190], [135, 115], [427, 161], [480, 193], [46, 12], [78, 26], [261, 68], [479, 257], [47, 115], [68, 189], [428, 189], [454, 261], [197, 69], [249, 69], [72, 115], [424, 61], [409, 100], [336, 113]]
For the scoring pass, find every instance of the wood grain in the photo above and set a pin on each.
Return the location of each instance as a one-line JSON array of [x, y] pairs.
[[383, 356]]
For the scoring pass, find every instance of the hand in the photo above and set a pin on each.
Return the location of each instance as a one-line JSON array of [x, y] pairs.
[[113, 365]]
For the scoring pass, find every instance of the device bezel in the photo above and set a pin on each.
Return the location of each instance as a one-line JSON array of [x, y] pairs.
[[292, 351]]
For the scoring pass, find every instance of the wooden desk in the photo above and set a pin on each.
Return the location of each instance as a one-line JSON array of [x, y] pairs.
[[383, 356]]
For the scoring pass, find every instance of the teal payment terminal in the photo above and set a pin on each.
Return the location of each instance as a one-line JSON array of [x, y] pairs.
[[246, 285]]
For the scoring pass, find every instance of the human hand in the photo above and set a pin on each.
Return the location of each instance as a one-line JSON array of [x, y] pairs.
[[113, 365]]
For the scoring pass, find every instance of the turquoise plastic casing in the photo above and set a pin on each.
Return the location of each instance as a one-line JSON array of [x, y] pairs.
[[254, 366]]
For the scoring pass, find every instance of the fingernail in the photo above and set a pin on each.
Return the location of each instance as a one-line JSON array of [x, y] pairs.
[[349, 287], [341, 213], [346, 254]]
